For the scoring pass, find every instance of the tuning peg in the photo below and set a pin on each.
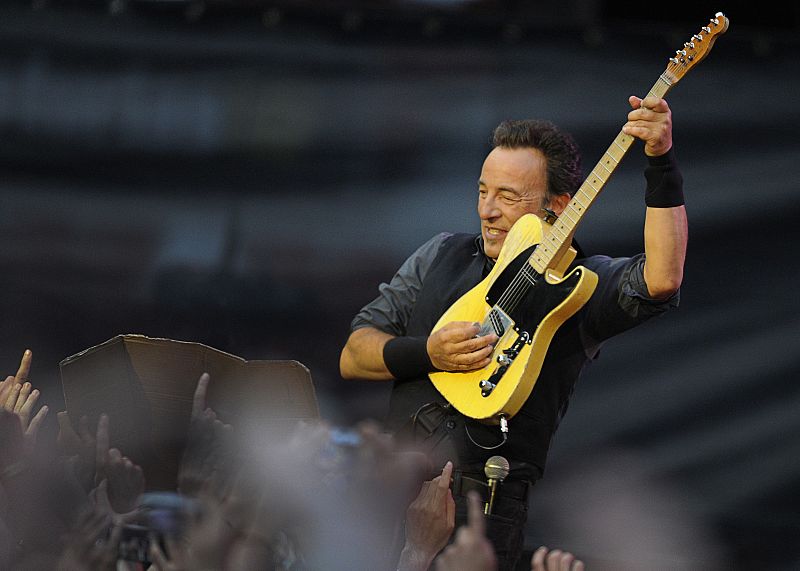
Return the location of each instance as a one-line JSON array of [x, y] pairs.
[[698, 37]]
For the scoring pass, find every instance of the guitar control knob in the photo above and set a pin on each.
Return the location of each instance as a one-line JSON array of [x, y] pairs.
[[486, 388], [503, 360]]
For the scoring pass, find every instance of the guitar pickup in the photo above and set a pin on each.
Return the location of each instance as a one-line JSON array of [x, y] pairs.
[[497, 322]]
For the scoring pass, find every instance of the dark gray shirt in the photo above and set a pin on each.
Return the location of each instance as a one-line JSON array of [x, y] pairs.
[[621, 283]]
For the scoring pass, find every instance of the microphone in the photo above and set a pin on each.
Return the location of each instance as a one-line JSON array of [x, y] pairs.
[[496, 470]]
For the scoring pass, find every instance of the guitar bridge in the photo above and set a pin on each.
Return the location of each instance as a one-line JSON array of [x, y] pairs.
[[505, 359]]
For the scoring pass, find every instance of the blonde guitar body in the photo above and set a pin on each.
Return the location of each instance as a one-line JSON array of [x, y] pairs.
[[525, 309]]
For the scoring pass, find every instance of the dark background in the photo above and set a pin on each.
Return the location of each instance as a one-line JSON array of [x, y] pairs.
[[244, 174]]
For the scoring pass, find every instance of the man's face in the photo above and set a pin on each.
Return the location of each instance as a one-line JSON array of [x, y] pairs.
[[513, 182]]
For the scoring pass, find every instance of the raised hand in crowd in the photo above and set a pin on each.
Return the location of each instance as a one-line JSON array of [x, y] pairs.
[[380, 477], [89, 546], [93, 542], [18, 396], [290, 484], [324, 486], [79, 448], [205, 542], [125, 478], [430, 520], [260, 545], [23, 372], [227, 527], [27, 519], [471, 551], [556, 560], [92, 460], [206, 464]]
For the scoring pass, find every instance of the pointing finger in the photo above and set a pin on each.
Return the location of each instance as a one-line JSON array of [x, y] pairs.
[[447, 473], [24, 366], [475, 519], [199, 401]]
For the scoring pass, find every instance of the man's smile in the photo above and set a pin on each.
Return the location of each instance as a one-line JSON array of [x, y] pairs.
[[494, 232]]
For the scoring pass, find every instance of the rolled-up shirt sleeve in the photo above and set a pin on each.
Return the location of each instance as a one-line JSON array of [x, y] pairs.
[[621, 300], [390, 311]]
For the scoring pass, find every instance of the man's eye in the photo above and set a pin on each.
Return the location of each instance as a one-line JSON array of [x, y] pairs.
[[508, 199], [482, 191]]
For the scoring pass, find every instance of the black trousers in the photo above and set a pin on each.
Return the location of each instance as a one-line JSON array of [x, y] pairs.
[[439, 431]]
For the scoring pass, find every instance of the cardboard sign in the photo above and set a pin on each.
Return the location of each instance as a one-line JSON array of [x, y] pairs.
[[146, 386]]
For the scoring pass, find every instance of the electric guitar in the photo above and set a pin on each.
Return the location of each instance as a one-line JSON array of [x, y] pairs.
[[526, 297]]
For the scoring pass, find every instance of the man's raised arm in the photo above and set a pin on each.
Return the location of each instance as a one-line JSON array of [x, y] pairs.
[[665, 228]]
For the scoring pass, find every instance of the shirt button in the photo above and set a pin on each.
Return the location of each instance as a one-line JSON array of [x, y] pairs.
[[450, 424]]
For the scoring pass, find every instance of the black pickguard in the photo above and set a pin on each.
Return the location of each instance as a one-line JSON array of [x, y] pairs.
[[538, 301]]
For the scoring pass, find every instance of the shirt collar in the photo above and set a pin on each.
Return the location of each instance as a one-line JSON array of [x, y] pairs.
[[489, 263]]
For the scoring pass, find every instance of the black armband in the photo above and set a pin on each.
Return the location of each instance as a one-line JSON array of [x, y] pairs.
[[664, 182], [407, 357]]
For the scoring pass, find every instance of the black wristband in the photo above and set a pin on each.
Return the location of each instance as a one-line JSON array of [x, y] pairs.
[[664, 182], [407, 357]]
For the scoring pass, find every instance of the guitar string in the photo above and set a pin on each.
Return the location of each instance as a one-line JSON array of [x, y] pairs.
[[511, 296], [519, 292], [529, 280], [519, 287]]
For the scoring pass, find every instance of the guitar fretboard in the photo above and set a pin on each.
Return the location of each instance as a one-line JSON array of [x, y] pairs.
[[544, 256]]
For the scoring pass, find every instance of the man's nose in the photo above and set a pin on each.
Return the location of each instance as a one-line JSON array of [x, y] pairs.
[[487, 208]]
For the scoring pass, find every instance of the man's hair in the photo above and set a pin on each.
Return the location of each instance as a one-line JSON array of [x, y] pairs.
[[559, 149]]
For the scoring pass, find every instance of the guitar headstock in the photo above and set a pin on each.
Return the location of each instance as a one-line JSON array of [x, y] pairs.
[[696, 48]]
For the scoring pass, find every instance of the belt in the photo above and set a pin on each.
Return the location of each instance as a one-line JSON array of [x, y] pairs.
[[463, 482]]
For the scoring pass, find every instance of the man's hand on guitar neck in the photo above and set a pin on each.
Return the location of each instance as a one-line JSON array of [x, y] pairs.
[[651, 121], [456, 347]]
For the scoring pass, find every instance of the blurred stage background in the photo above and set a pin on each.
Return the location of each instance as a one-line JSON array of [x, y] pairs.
[[244, 173]]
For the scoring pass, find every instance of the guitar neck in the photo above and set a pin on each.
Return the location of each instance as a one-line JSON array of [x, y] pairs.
[[546, 255]]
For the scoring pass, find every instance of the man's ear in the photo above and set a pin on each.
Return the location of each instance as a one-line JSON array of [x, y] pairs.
[[559, 203]]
